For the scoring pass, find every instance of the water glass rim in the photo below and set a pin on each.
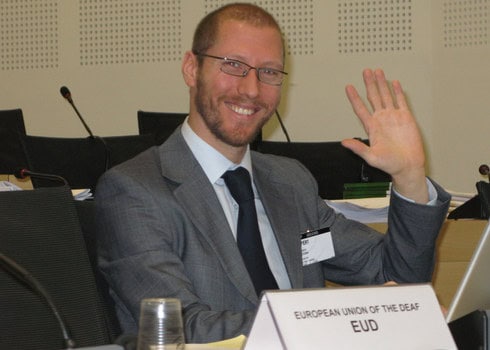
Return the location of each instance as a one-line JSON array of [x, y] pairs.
[[149, 300]]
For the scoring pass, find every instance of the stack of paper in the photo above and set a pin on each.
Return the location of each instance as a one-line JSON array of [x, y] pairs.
[[366, 210], [79, 195], [8, 186], [82, 194], [366, 189]]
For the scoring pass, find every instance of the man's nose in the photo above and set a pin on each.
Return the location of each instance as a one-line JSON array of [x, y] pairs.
[[249, 85]]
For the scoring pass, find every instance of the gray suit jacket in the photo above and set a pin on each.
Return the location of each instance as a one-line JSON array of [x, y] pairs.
[[162, 233]]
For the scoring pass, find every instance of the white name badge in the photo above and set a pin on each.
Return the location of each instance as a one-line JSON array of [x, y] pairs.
[[316, 246], [381, 317]]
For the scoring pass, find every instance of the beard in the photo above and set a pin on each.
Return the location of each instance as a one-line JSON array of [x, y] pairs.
[[241, 134]]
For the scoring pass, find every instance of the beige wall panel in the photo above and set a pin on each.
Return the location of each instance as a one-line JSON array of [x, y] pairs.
[[118, 56]]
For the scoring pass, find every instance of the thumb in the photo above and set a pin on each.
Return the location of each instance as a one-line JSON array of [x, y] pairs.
[[356, 146]]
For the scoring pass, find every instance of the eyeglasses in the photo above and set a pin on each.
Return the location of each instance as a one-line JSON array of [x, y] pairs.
[[238, 68]]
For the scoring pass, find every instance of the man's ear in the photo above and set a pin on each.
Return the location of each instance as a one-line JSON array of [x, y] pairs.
[[189, 69]]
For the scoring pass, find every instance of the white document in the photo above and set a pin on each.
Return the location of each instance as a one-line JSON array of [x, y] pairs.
[[82, 194], [382, 317], [6, 186], [366, 210]]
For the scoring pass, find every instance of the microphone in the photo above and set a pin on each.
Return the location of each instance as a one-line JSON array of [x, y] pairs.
[[282, 126], [484, 169], [65, 92], [10, 266], [24, 173]]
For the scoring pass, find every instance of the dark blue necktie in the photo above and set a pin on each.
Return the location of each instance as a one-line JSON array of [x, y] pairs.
[[248, 234]]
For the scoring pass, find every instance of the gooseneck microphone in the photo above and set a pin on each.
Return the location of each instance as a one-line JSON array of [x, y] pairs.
[[24, 173], [484, 169], [282, 126], [13, 268], [65, 92]]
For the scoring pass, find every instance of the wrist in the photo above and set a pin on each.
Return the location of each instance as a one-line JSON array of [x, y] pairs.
[[412, 185]]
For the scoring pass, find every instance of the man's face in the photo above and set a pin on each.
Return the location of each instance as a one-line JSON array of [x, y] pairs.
[[234, 109]]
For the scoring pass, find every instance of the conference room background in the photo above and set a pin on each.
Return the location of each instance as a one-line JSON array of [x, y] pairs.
[[121, 56]]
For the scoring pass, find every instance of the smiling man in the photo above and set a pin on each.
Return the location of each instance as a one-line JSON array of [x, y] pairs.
[[229, 106], [177, 220]]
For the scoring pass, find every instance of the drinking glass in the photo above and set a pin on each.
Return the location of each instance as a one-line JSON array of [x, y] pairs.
[[160, 325]]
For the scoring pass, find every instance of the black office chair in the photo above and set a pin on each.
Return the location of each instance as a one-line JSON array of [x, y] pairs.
[[123, 148], [40, 231], [12, 156], [80, 161], [330, 163], [159, 124], [13, 119], [12, 127]]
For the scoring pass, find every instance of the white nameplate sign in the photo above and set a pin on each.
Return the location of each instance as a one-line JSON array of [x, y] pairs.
[[382, 317]]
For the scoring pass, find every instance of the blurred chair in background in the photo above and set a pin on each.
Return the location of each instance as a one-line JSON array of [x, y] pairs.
[[81, 161], [122, 148], [159, 124], [13, 119], [331, 164], [40, 231], [12, 127]]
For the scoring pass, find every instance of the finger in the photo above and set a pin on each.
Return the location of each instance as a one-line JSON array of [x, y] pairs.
[[390, 283], [443, 310], [357, 104], [384, 90], [372, 89], [399, 95]]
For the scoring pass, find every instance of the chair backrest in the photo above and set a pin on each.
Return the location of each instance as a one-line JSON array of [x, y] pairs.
[[159, 124], [330, 163], [12, 155], [13, 119], [40, 230], [12, 127], [78, 160], [81, 161], [122, 148]]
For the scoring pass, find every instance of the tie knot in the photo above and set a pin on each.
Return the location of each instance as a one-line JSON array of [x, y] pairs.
[[239, 183]]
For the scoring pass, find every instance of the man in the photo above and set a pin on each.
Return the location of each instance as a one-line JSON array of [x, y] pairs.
[[168, 223]]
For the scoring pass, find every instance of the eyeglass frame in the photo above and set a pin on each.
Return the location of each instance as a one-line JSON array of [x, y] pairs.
[[245, 71]]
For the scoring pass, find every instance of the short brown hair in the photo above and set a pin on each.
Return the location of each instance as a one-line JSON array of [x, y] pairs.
[[207, 29]]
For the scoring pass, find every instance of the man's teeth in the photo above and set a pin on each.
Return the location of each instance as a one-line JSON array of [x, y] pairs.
[[241, 110]]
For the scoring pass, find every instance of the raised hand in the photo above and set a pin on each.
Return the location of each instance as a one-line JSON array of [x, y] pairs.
[[395, 142]]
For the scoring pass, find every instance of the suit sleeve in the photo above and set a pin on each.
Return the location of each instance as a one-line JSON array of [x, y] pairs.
[[405, 254], [141, 252]]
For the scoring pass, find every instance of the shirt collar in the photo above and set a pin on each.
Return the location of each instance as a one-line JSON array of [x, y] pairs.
[[212, 162]]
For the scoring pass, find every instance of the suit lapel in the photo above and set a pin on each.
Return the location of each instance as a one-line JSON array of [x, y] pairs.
[[278, 197], [199, 200]]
